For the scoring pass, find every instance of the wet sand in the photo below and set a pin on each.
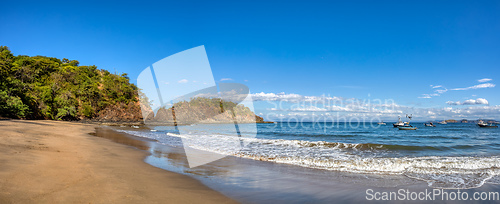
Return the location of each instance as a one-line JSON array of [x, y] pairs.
[[250, 181], [59, 162]]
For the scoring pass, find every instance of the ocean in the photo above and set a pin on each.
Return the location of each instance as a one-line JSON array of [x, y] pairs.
[[449, 156]]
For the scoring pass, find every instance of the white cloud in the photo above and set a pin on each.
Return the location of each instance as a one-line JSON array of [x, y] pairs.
[[183, 81], [453, 103], [276, 97], [479, 86], [338, 108], [307, 105], [482, 101], [441, 90], [484, 80], [308, 108], [472, 112], [291, 97], [479, 101], [226, 79], [420, 114], [324, 104]]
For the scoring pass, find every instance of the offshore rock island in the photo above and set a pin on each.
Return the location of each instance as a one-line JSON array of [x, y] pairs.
[[203, 110]]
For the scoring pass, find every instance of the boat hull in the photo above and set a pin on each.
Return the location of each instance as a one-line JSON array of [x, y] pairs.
[[487, 126], [407, 128]]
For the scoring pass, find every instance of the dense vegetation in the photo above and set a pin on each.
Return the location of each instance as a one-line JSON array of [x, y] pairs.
[[49, 88]]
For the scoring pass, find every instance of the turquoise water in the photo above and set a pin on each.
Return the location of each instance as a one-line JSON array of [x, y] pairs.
[[447, 156], [454, 139]]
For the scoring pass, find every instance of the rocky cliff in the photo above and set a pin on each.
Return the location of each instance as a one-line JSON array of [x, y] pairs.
[[204, 110]]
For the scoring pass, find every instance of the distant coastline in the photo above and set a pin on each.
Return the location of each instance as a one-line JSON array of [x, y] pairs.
[[469, 121]]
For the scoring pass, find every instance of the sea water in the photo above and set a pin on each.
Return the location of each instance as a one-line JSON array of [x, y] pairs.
[[451, 156]]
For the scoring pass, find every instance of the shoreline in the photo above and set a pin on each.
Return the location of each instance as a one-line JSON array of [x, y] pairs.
[[252, 181], [110, 166], [60, 162]]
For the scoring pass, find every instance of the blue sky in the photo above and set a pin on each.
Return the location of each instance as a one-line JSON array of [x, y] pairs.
[[350, 49]]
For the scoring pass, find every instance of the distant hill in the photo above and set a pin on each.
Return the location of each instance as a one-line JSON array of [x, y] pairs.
[[470, 121], [49, 88], [204, 110]]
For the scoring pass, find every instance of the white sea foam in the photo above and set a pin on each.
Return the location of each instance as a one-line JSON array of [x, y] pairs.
[[439, 172]]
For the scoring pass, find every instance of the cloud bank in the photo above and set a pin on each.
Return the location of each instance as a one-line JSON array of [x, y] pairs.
[[292, 97], [439, 89], [299, 107], [479, 101], [479, 86]]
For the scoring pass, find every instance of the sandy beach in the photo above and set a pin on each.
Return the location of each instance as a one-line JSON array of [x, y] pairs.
[[59, 162]]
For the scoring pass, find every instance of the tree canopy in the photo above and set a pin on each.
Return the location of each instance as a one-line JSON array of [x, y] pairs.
[[42, 87]]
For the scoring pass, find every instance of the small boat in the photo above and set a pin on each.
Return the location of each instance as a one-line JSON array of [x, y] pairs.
[[407, 128], [443, 122], [135, 126], [381, 123], [486, 125], [429, 124], [407, 125], [399, 123]]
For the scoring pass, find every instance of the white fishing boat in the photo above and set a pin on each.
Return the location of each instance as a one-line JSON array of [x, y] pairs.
[[399, 123], [407, 125], [381, 123], [486, 125], [443, 122], [481, 122]]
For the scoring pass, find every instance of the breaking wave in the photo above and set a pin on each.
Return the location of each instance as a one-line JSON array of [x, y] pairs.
[[438, 171]]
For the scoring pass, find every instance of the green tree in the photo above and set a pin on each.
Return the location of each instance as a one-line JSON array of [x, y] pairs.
[[49, 88]]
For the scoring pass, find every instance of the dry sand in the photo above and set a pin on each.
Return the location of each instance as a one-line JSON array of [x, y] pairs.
[[59, 162]]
